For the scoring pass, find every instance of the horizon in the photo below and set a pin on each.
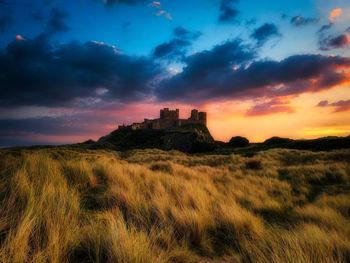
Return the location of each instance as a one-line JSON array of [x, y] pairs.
[[74, 72]]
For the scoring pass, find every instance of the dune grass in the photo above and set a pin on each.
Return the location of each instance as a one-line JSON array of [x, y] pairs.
[[70, 205]]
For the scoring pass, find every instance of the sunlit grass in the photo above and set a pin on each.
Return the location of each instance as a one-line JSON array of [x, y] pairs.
[[66, 205]]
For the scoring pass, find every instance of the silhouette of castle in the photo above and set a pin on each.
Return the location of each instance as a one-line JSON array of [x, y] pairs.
[[169, 119]]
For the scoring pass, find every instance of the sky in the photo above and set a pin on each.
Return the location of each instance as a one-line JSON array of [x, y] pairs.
[[74, 70]]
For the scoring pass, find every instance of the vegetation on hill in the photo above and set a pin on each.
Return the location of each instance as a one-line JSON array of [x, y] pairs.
[[191, 138], [71, 205], [238, 141]]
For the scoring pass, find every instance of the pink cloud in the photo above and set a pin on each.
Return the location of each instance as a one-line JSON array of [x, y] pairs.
[[270, 107], [156, 4], [19, 38]]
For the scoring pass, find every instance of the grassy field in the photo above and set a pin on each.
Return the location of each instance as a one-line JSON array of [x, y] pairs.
[[70, 205]]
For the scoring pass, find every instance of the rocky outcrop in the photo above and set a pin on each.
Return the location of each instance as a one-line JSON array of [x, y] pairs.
[[187, 138]]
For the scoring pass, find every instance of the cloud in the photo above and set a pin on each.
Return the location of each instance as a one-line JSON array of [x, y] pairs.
[[265, 33], [299, 21], [325, 28], [270, 107], [335, 13], [156, 4], [176, 48], [5, 22], [339, 106], [49, 130], [125, 2], [164, 14], [203, 70], [160, 10], [56, 22], [183, 33], [173, 49], [35, 72], [230, 71], [19, 38], [341, 41], [228, 11]]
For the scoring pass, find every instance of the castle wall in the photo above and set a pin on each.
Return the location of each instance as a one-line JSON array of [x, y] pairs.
[[169, 119], [167, 114]]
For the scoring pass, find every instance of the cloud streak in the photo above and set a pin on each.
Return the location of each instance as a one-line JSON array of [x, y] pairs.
[[300, 21], [176, 48], [270, 107], [339, 106], [331, 42], [264, 33]]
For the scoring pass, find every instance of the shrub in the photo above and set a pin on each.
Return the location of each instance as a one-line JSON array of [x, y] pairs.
[[253, 165], [238, 142], [277, 141]]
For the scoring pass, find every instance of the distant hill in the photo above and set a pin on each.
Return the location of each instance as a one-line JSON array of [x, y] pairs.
[[320, 144]]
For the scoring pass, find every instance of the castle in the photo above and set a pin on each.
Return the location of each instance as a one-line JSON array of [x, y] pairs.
[[169, 119]]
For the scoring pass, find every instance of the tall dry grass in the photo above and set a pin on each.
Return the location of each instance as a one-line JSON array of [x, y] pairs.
[[69, 205]]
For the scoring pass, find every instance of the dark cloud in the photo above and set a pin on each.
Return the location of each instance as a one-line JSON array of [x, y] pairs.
[[270, 107], [34, 72], [65, 125], [339, 106], [183, 33], [251, 22], [5, 22], [125, 2], [56, 22], [176, 48], [228, 11], [204, 70], [38, 16], [265, 33], [331, 42], [7, 17], [228, 71], [284, 16], [43, 130], [173, 49], [325, 27], [303, 21], [347, 30]]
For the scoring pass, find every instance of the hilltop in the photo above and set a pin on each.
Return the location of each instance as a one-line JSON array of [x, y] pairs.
[[168, 132], [187, 138]]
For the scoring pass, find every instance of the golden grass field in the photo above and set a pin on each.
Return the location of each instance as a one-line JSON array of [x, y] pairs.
[[71, 205]]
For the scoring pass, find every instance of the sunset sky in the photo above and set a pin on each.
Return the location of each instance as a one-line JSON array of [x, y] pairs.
[[74, 70]]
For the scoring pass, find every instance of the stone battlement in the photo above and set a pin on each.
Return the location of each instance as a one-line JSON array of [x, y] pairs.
[[169, 119]]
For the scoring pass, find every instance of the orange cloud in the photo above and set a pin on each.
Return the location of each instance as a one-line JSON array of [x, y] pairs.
[[336, 12]]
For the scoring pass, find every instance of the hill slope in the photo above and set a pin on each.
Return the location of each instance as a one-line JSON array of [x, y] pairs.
[[188, 138]]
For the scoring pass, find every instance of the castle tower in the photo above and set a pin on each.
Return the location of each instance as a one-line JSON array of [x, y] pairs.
[[194, 115], [203, 117], [166, 114]]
